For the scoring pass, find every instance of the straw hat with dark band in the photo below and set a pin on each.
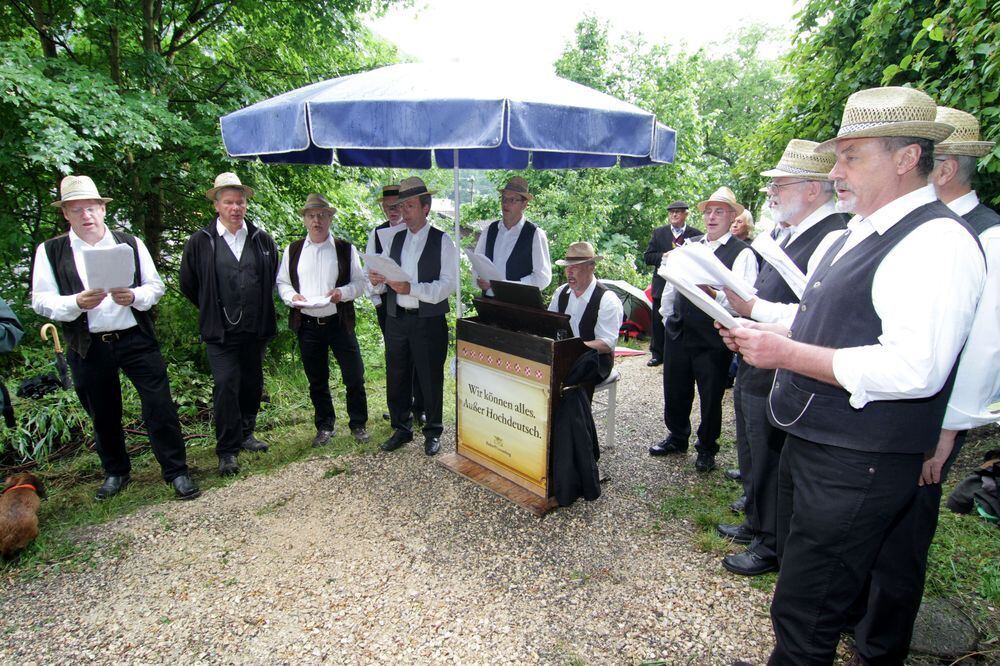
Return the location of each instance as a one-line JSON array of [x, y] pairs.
[[412, 187], [723, 195], [892, 111], [965, 140], [389, 191], [78, 188], [518, 185], [801, 161], [317, 202]]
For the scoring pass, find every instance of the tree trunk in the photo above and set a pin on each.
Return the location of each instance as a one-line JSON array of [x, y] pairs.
[[42, 23]]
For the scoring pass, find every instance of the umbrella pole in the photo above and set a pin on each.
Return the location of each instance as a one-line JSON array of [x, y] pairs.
[[458, 242]]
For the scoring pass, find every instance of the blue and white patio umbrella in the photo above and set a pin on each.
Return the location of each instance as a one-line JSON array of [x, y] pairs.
[[415, 116]]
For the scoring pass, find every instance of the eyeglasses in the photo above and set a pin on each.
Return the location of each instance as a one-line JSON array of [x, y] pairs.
[[394, 207], [81, 210], [511, 200], [773, 187]]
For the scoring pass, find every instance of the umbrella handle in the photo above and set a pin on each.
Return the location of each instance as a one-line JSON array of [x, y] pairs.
[[55, 336]]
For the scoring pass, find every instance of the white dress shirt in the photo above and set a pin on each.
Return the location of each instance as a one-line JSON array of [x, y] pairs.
[[428, 292], [236, 241], [925, 292], [318, 269], [744, 266], [609, 314], [977, 384], [541, 263], [108, 315]]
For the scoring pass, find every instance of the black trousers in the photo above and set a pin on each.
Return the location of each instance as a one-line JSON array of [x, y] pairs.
[[683, 369], [99, 388], [418, 397], [415, 351], [238, 371], [764, 444], [840, 506], [656, 343], [743, 460], [317, 337], [896, 585]]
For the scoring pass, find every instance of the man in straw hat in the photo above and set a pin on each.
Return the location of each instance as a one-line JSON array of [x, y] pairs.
[[693, 354], [107, 330], [416, 329], [595, 313], [228, 271], [663, 240], [321, 267], [517, 247], [865, 368], [890, 607], [389, 200], [800, 197]]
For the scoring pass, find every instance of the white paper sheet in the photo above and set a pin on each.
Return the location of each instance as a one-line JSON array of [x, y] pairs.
[[699, 265], [773, 254], [388, 268], [483, 267], [386, 235], [109, 267], [312, 302], [699, 298]]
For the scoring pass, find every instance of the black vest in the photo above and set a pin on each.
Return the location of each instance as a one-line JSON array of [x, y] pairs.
[[519, 263], [982, 218], [689, 324], [428, 270], [60, 256], [238, 283], [345, 309], [378, 241], [836, 311], [588, 320], [772, 287]]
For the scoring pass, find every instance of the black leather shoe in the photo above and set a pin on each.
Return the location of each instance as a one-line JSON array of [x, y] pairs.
[[112, 486], [228, 465], [322, 438], [704, 463], [420, 418], [386, 417], [734, 474], [432, 445], [653, 362], [253, 444], [738, 533], [397, 440], [360, 434], [666, 447], [185, 488], [740, 505], [749, 563]]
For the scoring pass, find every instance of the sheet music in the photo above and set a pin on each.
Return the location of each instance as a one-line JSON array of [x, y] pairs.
[[109, 267], [483, 266], [312, 302], [699, 265], [385, 266], [386, 235], [698, 298], [774, 255]]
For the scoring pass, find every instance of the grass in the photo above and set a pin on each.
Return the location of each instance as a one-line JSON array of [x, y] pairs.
[[964, 560]]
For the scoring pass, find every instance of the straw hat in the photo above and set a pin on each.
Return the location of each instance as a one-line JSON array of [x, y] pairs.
[[965, 140], [412, 187], [518, 185], [892, 111], [579, 253], [317, 202], [78, 188], [678, 205], [801, 161], [228, 179], [722, 195], [389, 191]]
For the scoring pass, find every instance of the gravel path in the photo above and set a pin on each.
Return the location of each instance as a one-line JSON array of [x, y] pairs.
[[399, 560]]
